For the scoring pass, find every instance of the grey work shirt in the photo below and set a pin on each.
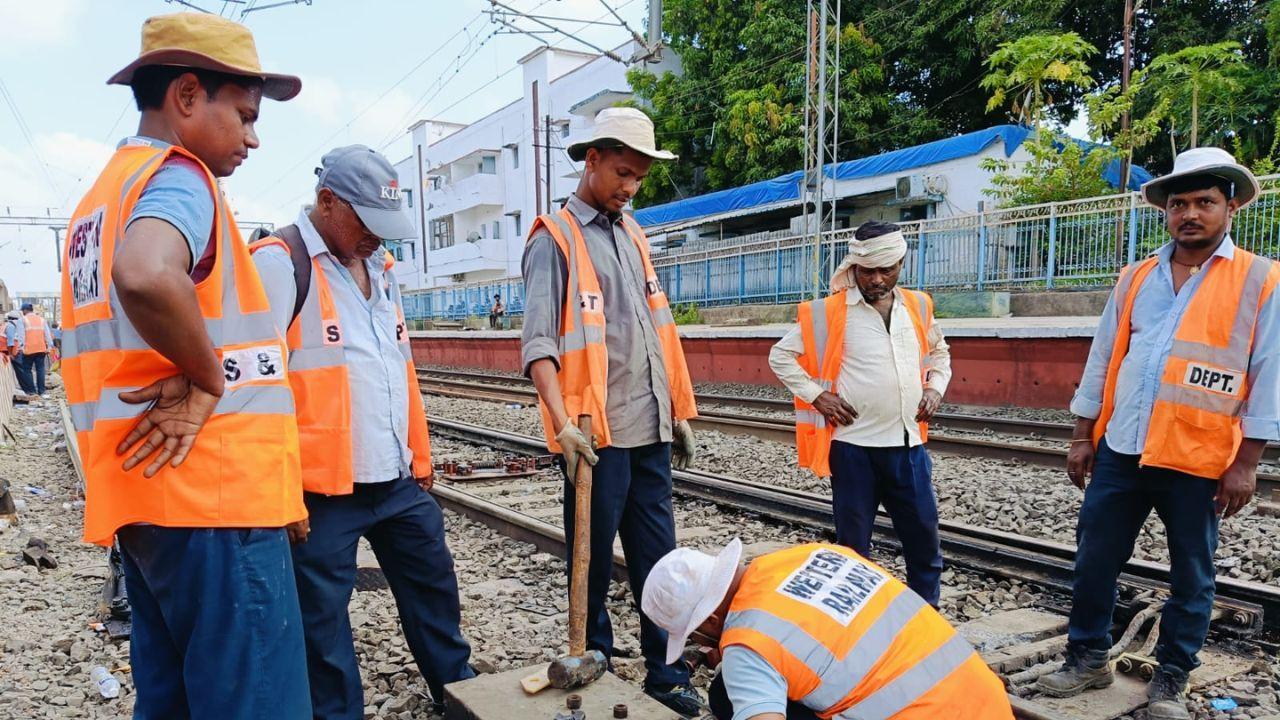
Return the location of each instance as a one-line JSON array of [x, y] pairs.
[[638, 401]]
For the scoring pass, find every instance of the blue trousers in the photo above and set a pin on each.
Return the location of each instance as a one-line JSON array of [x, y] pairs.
[[22, 369], [631, 498], [1117, 502], [900, 478], [37, 364], [216, 629], [405, 527]]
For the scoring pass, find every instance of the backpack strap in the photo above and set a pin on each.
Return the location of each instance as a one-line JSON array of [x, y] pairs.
[[301, 265]]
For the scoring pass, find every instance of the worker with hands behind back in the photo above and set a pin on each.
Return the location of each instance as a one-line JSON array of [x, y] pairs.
[[599, 339]]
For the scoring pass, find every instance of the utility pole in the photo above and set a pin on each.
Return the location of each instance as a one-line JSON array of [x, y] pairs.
[[1125, 70], [546, 150], [655, 30], [57, 243], [821, 123], [537, 167]]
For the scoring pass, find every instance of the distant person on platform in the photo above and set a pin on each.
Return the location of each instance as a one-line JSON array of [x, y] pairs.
[[15, 340], [818, 631], [599, 340], [868, 366], [176, 381], [39, 340], [496, 312], [366, 451], [1180, 395]]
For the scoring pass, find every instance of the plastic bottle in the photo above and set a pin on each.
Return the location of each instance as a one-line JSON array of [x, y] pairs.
[[108, 686]]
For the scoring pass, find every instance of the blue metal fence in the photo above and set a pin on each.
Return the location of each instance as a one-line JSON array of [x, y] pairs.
[[1078, 243]]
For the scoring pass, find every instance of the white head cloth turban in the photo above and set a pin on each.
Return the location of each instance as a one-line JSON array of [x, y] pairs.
[[877, 252]]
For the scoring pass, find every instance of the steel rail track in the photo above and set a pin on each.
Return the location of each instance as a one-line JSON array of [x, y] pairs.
[[1248, 605], [783, 431]]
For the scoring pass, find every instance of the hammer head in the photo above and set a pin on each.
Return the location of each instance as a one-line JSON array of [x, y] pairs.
[[574, 671]]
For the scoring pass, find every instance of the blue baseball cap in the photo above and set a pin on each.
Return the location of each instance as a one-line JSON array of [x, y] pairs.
[[365, 179]]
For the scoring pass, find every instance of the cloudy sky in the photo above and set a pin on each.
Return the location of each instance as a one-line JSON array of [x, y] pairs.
[[370, 68]]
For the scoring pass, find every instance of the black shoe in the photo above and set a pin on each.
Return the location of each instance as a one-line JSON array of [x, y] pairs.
[[680, 698]]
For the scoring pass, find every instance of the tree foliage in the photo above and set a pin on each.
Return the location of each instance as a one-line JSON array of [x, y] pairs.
[[1025, 72]]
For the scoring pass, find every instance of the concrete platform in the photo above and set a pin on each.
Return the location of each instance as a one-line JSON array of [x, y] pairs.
[[1027, 362], [499, 697]]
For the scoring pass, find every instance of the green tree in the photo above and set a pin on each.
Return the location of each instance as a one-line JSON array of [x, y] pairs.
[[1060, 169], [1196, 79], [1025, 72]]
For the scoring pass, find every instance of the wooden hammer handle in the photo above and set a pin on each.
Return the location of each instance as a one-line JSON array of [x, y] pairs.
[[581, 550]]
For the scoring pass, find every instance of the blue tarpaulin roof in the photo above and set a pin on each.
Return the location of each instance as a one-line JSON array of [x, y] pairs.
[[786, 188]]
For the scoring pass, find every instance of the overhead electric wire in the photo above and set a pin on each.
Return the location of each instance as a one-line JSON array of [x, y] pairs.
[[26, 134]]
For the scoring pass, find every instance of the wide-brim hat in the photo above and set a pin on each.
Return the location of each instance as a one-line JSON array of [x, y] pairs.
[[1204, 161], [206, 42], [684, 588], [619, 126]]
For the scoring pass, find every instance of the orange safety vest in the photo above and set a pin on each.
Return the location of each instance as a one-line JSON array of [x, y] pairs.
[[243, 470], [584, 361], [1195, 422], [35, 335], [822, 325], [853, 642], [322, 391]]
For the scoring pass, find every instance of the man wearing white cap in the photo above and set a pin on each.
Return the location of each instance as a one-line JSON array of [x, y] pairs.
[[1179, 397], [599, 340], [868, 366], [819, 631], [366, 455]]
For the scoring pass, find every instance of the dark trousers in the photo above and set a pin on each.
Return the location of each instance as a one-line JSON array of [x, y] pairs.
[[405, 527], [1117, 502], [900, 478], [38, 364], [722, 708], [630, 497], [22, 369], [216, 630]]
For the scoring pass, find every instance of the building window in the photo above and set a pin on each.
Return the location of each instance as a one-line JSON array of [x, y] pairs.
[[497, 229], [515, 218], [437, 182], [564, 130], [515, 157], [488, 165], [408, 196], [442, 233]]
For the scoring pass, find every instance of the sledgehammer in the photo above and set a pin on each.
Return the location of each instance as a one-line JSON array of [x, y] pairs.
[[580, 667]]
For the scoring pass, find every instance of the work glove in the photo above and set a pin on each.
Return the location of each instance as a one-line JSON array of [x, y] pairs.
[[683, 449], [574, 444]]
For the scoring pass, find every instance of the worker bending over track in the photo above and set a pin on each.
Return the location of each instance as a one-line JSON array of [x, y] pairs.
[[868, 366], [817, 631], [599, 339], [1179, 397]]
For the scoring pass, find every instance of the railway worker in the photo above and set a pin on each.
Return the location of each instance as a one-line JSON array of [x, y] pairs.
[[35, 352], [599, 339], [15, 339], [862, 413], [171, 349], [366, 455], [818, 631], [1180, 394]]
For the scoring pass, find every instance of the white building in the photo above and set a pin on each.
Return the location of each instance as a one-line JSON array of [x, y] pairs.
[[480, 185]]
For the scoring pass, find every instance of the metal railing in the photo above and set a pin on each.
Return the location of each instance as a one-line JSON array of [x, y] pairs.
[[1080, 243]]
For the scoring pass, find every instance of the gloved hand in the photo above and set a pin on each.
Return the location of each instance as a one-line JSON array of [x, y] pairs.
[[683, 449], [574, 444]]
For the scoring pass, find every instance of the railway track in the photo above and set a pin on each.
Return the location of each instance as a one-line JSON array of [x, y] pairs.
[[1246, 605], [942, 436]]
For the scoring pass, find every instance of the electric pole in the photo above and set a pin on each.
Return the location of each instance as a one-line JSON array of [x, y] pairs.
[[1125, 70], [822, 93]]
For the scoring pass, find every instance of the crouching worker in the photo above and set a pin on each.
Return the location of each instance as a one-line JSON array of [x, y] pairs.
[[366, 458], [817, 631]]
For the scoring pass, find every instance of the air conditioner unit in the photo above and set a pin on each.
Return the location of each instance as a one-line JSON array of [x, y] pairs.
[[473, 236], [458, 277], [909, 187]]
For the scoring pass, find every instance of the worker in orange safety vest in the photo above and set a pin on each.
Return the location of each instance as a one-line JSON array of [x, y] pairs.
[[818, 631], [176, 383], [1179, 397]]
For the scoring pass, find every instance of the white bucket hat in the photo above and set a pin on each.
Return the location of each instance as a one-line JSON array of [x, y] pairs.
[[1204, 161], [684, 588], [623, 126]]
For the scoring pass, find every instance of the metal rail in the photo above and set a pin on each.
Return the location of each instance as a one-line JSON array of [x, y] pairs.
[[783, 431], [1247, 605]]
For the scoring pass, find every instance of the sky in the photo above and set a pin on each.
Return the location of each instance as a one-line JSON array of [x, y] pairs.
[[369, 69]]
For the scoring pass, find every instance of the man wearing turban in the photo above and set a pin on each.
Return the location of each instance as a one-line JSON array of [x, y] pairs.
[[868, 366]]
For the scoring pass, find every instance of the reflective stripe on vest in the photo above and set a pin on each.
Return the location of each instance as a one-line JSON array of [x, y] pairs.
[[584, 359], [822, 327], [844, 650], [35, 343], [1195, 423], [243, 470]]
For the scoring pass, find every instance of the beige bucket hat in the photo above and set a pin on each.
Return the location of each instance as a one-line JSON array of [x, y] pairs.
[[623, 126], [1204, 161], [205, 42]]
